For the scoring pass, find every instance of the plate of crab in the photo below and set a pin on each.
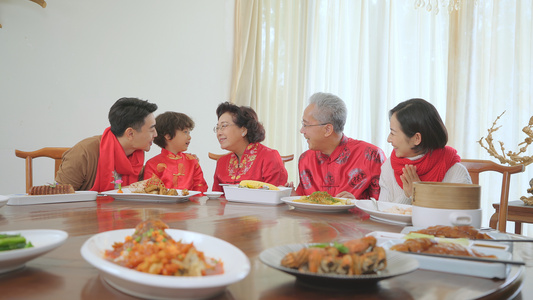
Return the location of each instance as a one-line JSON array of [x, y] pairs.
[[339, 264]]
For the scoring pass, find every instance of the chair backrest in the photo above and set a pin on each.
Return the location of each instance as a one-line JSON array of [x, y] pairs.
[[476, 166], [214, 156], [52, 152], [284, 158]]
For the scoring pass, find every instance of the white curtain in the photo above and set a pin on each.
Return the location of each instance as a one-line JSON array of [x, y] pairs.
[[491, 71], [472, 64], [270, 69], [373, 54]]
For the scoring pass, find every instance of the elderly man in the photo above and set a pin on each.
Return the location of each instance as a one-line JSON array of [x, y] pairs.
[[335, 163], [95, 163]]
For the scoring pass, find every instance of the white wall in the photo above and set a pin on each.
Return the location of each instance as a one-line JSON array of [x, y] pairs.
[[62, 67]]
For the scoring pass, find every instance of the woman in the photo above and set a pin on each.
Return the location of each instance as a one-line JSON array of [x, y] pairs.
[[239, 131], [419, 138]]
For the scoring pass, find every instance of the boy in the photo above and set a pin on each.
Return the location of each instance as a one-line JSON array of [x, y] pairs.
[[176, 169]]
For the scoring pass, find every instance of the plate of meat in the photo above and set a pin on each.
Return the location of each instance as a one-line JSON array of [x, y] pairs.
[[152, 190], [128, 195], [51, 193], [447, 247], [339, 265], [467, 232]]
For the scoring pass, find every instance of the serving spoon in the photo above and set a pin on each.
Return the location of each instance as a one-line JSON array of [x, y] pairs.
[[375, 204]]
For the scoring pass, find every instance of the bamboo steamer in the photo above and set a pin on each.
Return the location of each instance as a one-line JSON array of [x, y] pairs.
[[446, 195]]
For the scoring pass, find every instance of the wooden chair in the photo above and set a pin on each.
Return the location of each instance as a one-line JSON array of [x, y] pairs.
[[503, 212], [52, 152], [284, 158]]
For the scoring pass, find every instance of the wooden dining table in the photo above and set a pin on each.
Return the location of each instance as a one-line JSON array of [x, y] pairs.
[[64, 274]]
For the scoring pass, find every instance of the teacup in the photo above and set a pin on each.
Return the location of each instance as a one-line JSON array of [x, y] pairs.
[[213, 195]]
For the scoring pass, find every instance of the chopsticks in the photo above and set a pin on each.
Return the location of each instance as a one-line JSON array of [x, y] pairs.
[[505, 241], [471, 258]]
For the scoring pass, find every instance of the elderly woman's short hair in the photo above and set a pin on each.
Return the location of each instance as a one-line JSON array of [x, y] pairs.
[[244, 116]]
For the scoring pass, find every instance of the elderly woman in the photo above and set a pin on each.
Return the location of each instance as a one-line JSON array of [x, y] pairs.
[[239, 131], [419, 138]]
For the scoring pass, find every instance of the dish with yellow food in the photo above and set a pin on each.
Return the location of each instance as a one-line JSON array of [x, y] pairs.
[[254, 184], [322, 198], [297, 203]]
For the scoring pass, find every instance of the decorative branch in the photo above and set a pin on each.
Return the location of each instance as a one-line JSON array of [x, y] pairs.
[[511, 158], [528, 200]]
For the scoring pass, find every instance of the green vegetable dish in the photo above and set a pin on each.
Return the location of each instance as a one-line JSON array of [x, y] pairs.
[[13, 241]]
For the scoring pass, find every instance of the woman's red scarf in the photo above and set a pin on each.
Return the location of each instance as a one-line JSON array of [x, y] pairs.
[[113, 158], [430, 167]]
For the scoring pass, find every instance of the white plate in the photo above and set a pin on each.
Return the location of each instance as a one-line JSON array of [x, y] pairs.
[[128, 195], [368, 207], [150, 286], [464, 267], [492, 233], [26, 199], [43, 241], [397, 264], [317, 207], [3, 200], [387, 221], [383, 236], [256, 196]]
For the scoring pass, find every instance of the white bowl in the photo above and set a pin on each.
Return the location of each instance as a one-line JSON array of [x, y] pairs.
[[426, 216], [43, 241], [256, 196], [150, 286], [213, 195]]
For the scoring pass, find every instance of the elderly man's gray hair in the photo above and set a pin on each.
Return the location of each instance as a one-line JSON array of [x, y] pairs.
[[329, 109]]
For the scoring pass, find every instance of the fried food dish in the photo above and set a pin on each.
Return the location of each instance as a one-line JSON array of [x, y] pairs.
[[321, 198], [354, 257], [52, 189], [468, 232], [426, 245], [151, 250], [154, 186]]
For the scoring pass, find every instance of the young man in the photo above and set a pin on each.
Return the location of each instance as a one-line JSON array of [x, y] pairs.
[[334, 163], [96, 162]]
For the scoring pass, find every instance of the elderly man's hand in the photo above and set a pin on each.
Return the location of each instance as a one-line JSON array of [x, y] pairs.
[[345, 194], [291, 185]]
